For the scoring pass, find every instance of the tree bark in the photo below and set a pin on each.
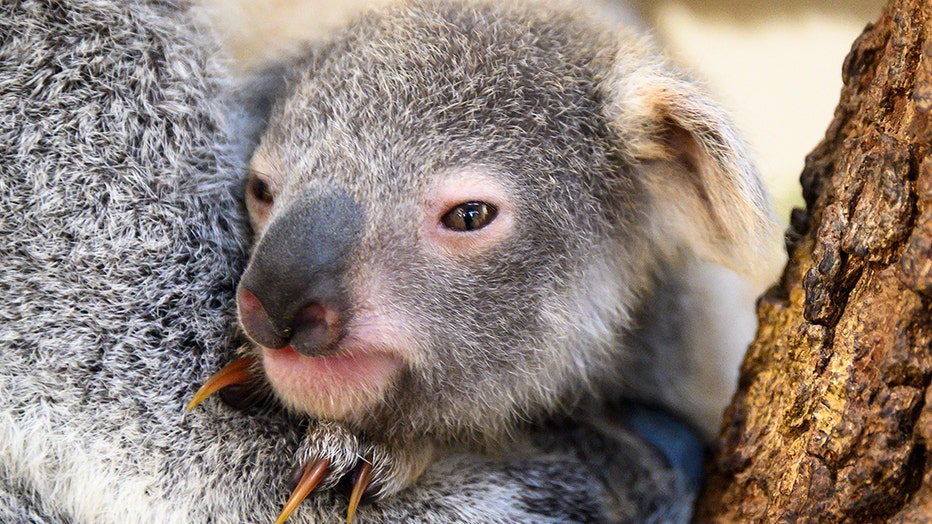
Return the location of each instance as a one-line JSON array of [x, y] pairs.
[[832, 421]]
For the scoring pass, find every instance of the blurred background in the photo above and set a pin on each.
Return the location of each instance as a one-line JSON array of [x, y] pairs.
[[775, 65]]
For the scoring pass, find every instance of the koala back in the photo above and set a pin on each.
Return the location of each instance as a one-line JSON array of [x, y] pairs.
[[122, 239]]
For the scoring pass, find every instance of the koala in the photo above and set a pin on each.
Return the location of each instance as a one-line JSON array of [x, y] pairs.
[[123, 235], [471, 216]]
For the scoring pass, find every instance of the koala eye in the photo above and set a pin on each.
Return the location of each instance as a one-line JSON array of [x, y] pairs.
[[469, 216], [259, 189]]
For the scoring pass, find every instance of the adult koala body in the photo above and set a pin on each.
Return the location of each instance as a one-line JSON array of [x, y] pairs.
[[474, 214], [121, 240]]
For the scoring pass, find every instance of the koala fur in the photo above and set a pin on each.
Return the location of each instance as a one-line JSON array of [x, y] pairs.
[[122, 236], [608, 174]]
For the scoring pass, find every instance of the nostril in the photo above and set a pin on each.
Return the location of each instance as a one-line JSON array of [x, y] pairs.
[[247, 301], [310, 316], [256, 322], [315, 328]]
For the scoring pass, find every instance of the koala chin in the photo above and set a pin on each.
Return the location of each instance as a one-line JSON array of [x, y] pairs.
[[470, 216]]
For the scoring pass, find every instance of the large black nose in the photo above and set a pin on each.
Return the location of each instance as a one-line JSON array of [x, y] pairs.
[[292, 292]]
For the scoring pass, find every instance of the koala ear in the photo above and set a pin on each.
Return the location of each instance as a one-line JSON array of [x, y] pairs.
[[706, 194]]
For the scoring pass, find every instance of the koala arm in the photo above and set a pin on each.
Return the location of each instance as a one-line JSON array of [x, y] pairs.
[[626, 464]]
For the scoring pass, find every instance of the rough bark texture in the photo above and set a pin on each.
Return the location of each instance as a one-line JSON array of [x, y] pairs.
[[833, 418]]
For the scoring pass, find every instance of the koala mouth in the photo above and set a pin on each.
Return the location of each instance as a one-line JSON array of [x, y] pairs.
[[334, 386]]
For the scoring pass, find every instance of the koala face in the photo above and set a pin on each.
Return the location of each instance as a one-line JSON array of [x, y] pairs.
[[452, 230]]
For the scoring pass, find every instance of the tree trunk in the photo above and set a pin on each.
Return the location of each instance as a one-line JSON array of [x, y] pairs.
[[832, 420]]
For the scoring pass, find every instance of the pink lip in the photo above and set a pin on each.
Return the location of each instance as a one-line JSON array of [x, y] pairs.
[[329, 386]]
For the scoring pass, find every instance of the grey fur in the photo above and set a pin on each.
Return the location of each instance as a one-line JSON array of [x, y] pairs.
[[616, 174], [121, 238]]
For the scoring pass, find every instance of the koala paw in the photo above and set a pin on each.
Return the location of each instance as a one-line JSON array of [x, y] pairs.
[[332, 454]]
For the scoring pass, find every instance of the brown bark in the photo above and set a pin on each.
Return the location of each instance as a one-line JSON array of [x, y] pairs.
[[832, 421]]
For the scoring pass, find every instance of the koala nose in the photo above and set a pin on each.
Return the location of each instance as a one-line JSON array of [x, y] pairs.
[[311, 330], [292, 292]]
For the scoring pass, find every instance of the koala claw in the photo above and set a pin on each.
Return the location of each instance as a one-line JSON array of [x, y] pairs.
[[313, 473], [361, 481], [368, 470], [311, 477], [235, 373]]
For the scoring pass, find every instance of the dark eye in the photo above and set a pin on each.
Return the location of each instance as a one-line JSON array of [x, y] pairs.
[[469, 216], [260, 189]]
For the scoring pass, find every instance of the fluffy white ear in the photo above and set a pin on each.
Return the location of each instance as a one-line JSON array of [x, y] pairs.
[[706, 193]]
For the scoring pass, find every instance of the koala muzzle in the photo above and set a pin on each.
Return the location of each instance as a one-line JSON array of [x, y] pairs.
[[292, 292]]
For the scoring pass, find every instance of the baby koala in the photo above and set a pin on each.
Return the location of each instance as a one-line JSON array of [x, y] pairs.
[[469, 216]]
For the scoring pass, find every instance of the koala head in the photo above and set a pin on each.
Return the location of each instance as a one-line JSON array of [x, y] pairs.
[[457, 208]]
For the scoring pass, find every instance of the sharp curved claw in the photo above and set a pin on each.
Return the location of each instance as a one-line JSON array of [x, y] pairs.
[[234, 373], [360, 483], [313, 474]]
